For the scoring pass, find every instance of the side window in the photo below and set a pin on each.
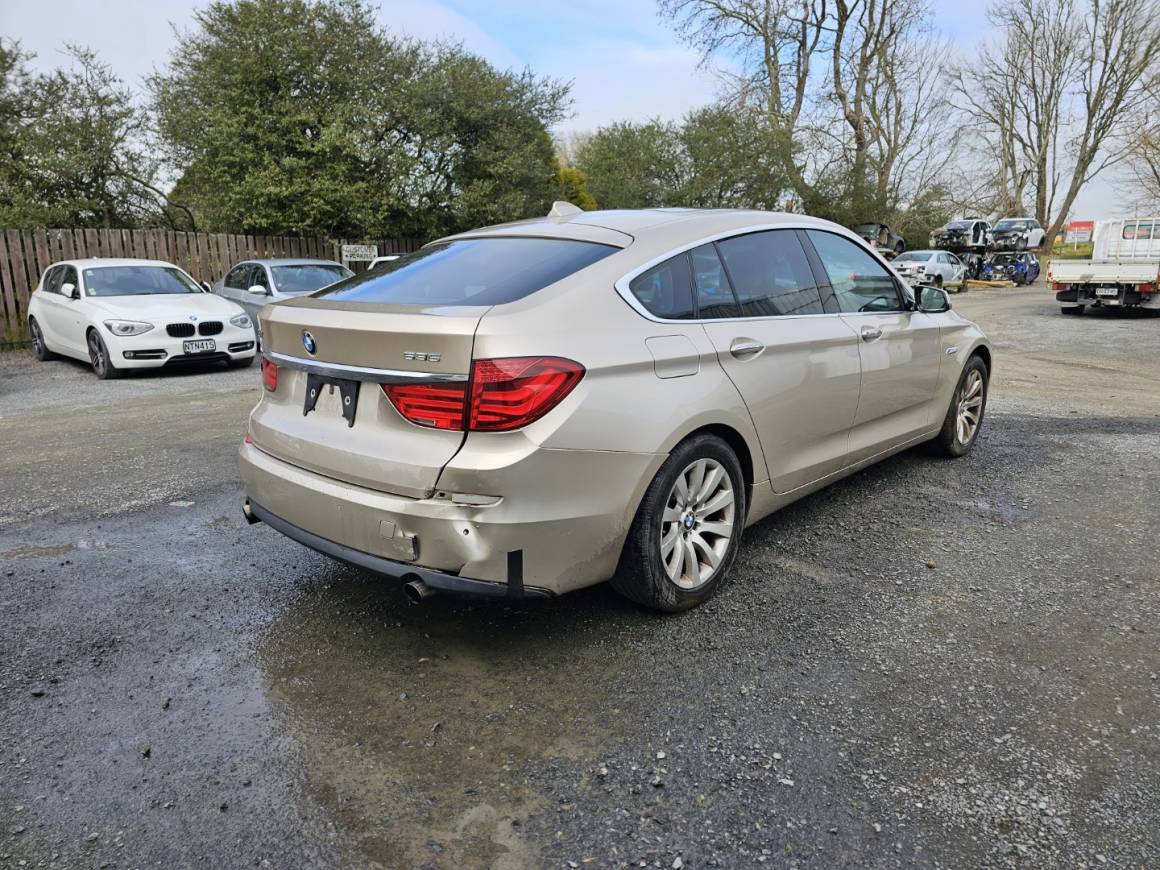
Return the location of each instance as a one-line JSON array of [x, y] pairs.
[[51, 281], [770, 274], [236, 278], [258, 277], [666, 290], [68, 275], [714, 295], [860, 282]]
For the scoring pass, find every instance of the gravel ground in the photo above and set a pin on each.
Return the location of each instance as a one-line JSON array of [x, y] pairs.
[[932, 663]]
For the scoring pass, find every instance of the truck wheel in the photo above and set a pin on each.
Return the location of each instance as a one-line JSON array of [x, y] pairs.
[[687, 529], [1071, 309], [964, 417]]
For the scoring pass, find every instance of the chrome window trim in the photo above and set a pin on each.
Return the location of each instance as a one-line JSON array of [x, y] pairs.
[[361, 373], [625, 293]]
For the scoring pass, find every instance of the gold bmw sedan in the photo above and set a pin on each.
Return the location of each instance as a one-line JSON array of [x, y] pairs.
[[527, 409]]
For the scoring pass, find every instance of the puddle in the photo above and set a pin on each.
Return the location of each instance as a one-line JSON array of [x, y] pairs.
[[416, 725]]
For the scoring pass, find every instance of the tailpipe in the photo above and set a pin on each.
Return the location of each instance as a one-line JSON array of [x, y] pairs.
[[416, 590]]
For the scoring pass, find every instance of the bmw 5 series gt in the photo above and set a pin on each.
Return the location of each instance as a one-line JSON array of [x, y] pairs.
[[531, 408]]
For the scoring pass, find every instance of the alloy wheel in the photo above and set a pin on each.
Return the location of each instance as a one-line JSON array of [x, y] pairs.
[[697, 524], [96, 353], [37, 339], [970, 408]]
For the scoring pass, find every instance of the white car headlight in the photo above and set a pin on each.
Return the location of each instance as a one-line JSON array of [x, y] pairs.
[[127, 327], [241, 321]]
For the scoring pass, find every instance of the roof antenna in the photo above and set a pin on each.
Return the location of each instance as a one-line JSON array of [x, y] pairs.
[[564, 210]]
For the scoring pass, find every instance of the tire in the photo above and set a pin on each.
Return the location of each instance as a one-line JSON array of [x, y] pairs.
[[243, 363], [39, 348], [900, 248], [938, 281], [644, 573], [972, 387], [103, 366], [1072, 309]]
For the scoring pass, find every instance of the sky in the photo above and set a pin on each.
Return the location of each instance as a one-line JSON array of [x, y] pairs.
[[623, 60]]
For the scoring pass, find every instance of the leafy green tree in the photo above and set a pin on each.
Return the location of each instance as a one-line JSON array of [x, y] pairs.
[[288, 116], [718, 157], [75, 147], [572, 185], [633, 165]]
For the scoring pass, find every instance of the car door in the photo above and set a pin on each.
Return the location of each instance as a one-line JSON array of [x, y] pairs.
[[53, 309], [74, 320], [956, 271], [796, 367], [233, 285], [899, 348]]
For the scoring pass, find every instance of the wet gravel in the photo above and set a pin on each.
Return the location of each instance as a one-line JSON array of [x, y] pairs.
[[932, 663]]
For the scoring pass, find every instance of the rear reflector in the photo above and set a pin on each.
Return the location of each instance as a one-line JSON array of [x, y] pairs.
[[269, 375], [501, 395]]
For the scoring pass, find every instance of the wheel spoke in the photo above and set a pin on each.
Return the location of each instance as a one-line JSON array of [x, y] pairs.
[[975, 402], [696, 476], [719, 502], [674, 561], [703, 545], [681, 489], [671, 515], [712, 479], [721, 530], [669, 540], [692, 566]]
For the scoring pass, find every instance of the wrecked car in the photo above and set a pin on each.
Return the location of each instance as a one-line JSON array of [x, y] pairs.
[[881, 237], [1022, 268], [967, 234], [1017, 234]]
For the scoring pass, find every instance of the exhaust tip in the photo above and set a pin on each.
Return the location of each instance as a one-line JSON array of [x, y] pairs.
[[416, 590], [248, 513]]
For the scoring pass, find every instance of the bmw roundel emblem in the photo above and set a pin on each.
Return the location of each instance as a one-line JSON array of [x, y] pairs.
[[308, 342]]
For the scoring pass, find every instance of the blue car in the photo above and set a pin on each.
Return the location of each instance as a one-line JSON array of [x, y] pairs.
[[1022, 267]]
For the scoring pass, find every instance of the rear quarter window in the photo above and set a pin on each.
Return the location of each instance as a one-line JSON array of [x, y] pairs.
[[485, 271]]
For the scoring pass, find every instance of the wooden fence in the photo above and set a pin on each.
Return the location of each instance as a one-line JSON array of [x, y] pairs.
[[25, 254]]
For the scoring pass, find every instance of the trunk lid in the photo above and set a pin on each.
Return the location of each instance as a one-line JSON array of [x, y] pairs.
[[369, 344]]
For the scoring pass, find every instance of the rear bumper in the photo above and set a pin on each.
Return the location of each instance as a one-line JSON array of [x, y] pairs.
[[566, 511], [513, 588], [1087, 294]]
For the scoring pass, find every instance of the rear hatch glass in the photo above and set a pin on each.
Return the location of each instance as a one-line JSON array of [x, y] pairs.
[[415, 317]]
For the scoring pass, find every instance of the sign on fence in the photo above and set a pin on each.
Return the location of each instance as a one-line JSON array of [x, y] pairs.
[[359, 253]]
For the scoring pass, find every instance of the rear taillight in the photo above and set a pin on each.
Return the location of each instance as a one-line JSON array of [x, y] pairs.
[[510, 393], [501, 395], [269, 375], [1058, 288], [438, 406], [1145, 288]]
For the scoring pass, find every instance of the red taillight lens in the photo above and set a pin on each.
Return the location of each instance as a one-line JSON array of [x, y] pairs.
[[502, 394], [439, 406], [1145, 288], [510, 393], [269, 375]]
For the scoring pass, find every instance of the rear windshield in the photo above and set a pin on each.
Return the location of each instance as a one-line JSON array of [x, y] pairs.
[[138, 281], [307, 277], [489, 271]]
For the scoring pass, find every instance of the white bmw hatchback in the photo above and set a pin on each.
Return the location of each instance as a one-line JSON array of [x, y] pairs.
[[134, 314]]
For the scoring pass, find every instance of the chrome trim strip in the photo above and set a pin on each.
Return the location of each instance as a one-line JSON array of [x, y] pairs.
[[622, 288], [360, 373]]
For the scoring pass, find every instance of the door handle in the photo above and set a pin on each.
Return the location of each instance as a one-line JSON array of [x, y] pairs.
[[871, 333], [745, 347]]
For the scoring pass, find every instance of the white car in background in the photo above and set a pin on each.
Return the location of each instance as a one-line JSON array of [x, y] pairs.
[[134, 314], [937, 268]]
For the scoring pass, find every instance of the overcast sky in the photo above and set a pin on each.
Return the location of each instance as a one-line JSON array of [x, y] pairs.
[[623, 61]]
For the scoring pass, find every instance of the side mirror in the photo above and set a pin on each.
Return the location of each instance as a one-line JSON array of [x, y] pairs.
[[205, 286], [258, 290], [70, 290], [932, 300]]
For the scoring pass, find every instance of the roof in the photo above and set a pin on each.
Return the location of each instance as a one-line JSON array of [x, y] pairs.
[[622, 227], [292, 261], [92, 262]]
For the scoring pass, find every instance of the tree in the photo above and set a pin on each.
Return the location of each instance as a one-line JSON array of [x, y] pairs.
[[288, 116], [76, 147], [573, 187], [632, 164]]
